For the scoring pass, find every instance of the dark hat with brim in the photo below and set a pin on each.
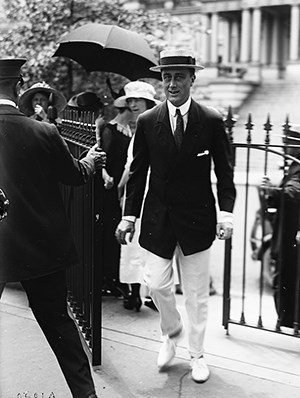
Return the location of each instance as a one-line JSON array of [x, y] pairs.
[[178, 58], [25, 105], [85, 101], [10, 68]]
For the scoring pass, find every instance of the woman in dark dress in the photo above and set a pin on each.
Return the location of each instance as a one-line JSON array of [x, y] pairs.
[[115, 137]]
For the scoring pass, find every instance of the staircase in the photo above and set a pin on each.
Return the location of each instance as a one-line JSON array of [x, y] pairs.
[[278, 99]]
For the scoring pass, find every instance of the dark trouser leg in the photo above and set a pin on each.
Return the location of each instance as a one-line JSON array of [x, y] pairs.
[[48, 300]]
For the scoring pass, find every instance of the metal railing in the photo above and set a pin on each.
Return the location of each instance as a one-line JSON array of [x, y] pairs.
[[84, 208]]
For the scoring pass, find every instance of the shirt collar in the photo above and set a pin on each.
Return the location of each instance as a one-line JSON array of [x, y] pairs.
[[7, 102], [183, 108]]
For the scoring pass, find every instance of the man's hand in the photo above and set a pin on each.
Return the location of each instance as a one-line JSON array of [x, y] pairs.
[[98, 155], [224, 230], [125, 227], [265, 183]]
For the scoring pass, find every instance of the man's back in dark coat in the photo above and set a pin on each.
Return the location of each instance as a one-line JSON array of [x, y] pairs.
[[35, 238]]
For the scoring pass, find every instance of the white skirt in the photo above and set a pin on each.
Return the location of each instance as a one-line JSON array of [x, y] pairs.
[[132, 260]]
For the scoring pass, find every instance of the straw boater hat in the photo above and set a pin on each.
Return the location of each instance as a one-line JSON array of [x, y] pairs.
[[25, 99], [177, 58], [139, 89]]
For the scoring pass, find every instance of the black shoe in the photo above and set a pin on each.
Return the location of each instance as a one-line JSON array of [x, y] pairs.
[[150, 303], [132, 302], [92, 396]]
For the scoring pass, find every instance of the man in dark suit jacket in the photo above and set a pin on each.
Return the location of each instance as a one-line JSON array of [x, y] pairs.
[[179, 208], [36, 244], [285, 238]]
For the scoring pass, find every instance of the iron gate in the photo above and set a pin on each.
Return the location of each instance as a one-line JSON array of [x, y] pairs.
[[239, 306]]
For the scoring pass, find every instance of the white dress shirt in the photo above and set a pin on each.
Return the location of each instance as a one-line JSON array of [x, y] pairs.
[[184, 109]]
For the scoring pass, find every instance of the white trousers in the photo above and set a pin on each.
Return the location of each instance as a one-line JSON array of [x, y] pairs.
[[194, 270]]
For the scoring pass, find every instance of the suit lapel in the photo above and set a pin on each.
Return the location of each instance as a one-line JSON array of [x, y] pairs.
[[194, 129], [163, 130]]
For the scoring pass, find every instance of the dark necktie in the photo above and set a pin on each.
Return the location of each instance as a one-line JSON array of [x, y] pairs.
[[178, 133]]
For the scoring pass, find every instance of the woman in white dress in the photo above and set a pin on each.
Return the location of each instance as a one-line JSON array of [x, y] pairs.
[[140, 97]]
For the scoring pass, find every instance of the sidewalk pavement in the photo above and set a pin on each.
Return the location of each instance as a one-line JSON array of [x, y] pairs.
[[246, 363]]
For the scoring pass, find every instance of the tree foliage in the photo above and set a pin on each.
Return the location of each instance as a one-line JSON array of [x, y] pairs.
[[37, 27]]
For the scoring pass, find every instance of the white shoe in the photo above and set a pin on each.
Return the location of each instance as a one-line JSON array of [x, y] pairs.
[[168, 350], [200, 371]]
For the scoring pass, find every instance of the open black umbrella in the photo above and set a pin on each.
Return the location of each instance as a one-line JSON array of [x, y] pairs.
[[109, 48]]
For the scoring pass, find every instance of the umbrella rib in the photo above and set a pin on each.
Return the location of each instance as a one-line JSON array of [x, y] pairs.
[[108, 36]]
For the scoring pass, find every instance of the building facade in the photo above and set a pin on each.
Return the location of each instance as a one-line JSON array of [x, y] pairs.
[[255, 39]]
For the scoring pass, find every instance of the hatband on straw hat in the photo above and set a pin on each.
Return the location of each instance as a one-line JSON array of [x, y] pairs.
[[176, 58], [25, 106]]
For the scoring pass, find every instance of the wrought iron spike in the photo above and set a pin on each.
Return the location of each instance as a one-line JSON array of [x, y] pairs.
[[268, 127], [286, 126], [229, 123], [249, 127]]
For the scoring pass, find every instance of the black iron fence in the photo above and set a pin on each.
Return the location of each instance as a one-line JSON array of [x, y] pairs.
[[250, 246], [84, 208]]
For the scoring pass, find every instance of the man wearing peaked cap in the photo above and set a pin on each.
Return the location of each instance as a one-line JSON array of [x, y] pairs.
[[35, 240], [178, 140]]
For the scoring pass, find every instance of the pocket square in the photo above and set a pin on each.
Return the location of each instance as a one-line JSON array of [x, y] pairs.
[[206, 152]]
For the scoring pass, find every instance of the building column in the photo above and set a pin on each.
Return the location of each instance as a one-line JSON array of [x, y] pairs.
[[226, 42], [245, 36], [214, 39], [204, 39], [294, 33], [256, 32], [275, 41], [234, 51], [265, 41]]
